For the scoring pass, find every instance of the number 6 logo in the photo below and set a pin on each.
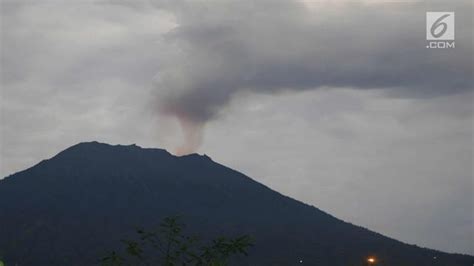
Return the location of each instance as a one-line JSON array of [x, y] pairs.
[[440, 25]]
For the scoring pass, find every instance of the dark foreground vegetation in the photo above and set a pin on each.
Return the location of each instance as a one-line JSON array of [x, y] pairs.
[[169, 246]]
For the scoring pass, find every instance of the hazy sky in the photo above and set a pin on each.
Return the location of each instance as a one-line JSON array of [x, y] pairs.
[[337, 104]]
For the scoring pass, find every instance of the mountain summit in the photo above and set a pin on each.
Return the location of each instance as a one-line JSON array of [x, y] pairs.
[[73, 208]]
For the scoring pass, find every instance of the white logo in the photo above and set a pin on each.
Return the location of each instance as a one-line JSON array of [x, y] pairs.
[[440, 29]]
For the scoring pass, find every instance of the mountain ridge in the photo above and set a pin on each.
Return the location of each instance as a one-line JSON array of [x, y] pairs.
[[89, 185]]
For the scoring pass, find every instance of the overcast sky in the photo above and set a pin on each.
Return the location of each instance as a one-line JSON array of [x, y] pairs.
[[337, 104]]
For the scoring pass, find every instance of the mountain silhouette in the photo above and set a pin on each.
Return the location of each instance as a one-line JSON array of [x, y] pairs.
[[75, 207]]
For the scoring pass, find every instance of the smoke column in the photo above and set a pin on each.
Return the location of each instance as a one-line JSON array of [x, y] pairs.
[[220, 49], [191, 122], [192, 133]]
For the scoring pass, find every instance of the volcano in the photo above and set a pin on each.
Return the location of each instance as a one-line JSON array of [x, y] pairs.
[[73, 208]]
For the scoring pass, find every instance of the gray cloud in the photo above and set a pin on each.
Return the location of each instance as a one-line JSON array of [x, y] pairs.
[[267, 47]]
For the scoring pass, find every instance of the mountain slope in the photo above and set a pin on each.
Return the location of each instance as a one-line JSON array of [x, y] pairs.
[[74, 207]]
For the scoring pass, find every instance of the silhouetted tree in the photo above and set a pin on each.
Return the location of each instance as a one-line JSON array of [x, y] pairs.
[[170, 247]]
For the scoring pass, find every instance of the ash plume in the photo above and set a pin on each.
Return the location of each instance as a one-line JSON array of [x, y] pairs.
[[268, 47]]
